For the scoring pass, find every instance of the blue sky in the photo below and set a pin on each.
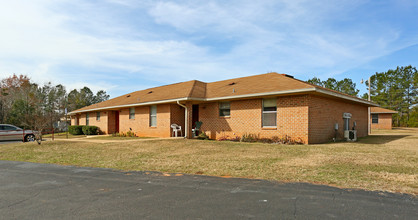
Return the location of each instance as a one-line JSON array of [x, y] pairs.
[[125, 45]]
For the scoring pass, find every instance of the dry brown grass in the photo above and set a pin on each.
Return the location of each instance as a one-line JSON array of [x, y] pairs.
[[384, 161]]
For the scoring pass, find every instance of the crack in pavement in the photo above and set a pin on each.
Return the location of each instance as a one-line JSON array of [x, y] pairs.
[[23, 200]]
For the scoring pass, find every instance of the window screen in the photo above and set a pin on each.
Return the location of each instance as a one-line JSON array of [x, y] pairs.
[[153, 116], [269, 116], [224, 109], [131, 113], [375, 118], [87, 119], [98, 116]]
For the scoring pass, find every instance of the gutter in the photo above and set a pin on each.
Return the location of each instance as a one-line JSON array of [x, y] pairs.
[[186, 120], [383, 112]]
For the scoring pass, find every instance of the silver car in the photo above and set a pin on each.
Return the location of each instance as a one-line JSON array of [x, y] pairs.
[[13, 133]]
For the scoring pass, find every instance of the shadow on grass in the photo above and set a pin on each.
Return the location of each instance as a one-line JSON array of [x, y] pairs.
[[380, 139]]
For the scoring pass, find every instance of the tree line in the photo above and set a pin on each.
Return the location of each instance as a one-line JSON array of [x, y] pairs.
[[394, 89], [26, 104]]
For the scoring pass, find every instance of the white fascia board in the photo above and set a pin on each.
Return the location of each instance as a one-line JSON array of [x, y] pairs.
[[383, 112], [130, 105]]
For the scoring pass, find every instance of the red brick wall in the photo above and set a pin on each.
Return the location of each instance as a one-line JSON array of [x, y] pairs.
[[325, 112], [82, 118], [385, 122], [309, 118], [102, 123], [140, 125], [74, 120], [177, 116], [292, 118]]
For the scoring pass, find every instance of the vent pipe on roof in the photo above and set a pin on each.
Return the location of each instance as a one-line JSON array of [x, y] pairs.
[[290, 76]]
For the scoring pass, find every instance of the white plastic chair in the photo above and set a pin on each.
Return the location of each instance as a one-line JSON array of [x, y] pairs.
[[176, 128]]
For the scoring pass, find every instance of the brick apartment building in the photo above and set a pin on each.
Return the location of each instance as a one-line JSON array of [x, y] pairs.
[[268, 105], [381, 118]]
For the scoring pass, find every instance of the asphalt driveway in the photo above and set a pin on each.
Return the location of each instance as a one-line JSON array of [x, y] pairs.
[[45, 191]]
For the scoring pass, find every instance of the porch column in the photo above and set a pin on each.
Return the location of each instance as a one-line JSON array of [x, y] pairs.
[[189, 119]]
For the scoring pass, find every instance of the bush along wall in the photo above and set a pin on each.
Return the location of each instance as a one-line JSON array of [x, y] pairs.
[[75, 129], [90, 130]]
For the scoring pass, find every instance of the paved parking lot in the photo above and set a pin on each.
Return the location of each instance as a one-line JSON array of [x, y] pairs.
[[45, 191]]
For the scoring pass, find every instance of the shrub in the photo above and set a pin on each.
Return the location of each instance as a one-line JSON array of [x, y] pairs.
[[236, 139], [250, 138], [75, 129], [203, 136], [90, 130], [227, 138], [130, 134], [256, 138], [265, 140], [122, 134]]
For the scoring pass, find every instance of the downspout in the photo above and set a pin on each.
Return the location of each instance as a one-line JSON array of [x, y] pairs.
[[186, 124]]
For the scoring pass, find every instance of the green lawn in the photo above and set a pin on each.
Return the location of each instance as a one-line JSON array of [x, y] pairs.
[[101, 137], [62, 135], [386, 161]]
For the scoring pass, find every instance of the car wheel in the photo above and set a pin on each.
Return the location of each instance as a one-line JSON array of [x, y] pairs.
[[30, 138]]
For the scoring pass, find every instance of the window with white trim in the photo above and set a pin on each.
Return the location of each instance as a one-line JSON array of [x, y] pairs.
[[153, 116], [132, 113], [225, 109], [269, 116]]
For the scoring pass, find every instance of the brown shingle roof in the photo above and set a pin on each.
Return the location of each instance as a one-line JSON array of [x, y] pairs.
[[172, 91], [197, 90], [268, 82], [381, 110]]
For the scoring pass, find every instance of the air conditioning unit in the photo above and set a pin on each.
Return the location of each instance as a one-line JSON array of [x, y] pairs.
[[350, 135]]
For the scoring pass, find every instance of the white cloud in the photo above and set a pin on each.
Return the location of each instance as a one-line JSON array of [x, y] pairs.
[[124, 42]]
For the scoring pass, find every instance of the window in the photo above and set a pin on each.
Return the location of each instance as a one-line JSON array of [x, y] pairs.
[[131, 113], [153, 116], [98, 116], [269, 116], [375, 118], [87, 119], [225, 109]]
